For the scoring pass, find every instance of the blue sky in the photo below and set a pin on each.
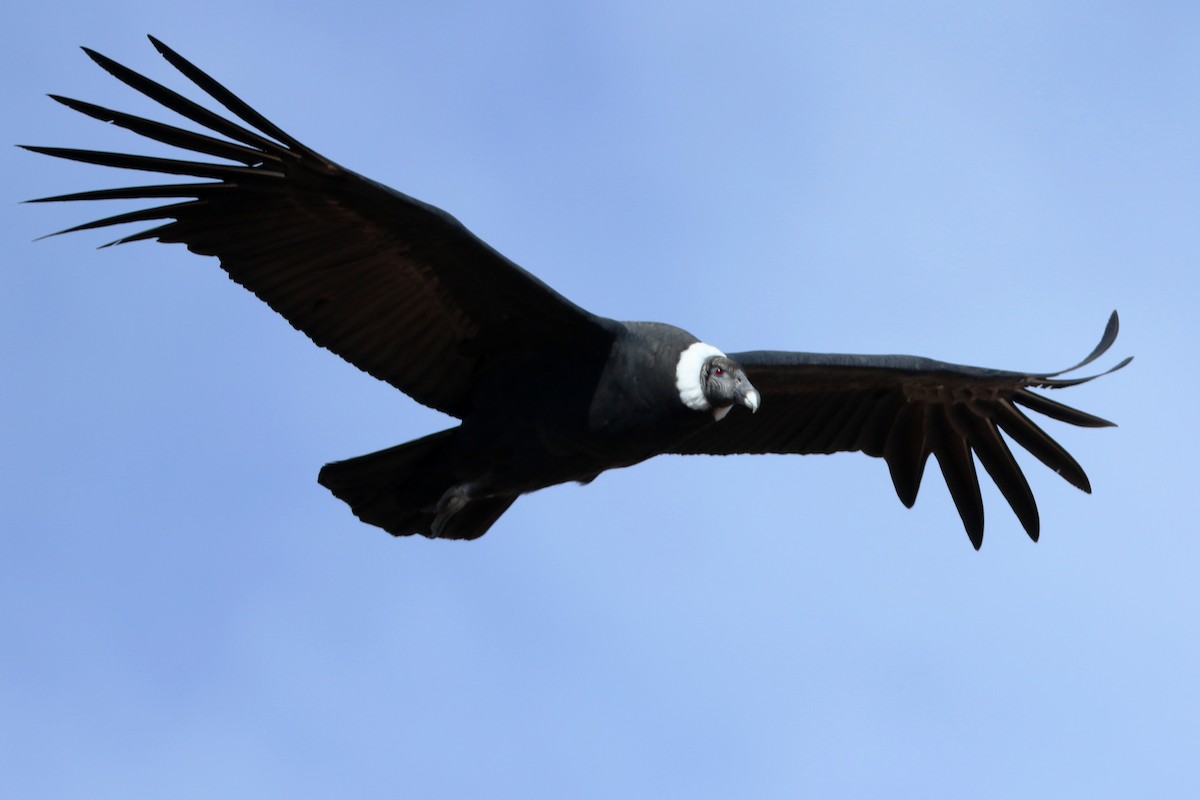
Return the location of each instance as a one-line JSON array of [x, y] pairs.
[[186, 613]]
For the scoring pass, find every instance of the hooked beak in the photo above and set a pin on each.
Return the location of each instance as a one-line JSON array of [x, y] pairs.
[[749, 396]]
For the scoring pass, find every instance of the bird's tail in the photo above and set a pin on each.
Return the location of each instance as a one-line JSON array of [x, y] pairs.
[[398, 489]]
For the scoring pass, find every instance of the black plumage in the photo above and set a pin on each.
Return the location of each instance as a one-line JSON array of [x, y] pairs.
[[403, 291]]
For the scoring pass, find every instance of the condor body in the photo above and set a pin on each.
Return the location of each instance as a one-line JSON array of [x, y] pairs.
[[543, 418]]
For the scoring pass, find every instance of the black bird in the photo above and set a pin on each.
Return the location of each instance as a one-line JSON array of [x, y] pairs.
[[546, 391]]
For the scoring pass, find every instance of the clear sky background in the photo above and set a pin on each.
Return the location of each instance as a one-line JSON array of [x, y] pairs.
[[185, 613]]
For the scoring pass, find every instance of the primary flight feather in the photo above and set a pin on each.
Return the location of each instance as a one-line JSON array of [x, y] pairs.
[[403, 291]]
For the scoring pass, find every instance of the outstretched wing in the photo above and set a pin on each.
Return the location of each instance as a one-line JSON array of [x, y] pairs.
[[395, 286], [902, 409]]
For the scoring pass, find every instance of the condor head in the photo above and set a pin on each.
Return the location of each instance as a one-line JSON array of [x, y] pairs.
[[709, 380], [725, 385]]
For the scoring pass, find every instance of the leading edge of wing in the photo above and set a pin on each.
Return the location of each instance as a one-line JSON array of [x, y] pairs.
[[846, 368], [903, 409], [395, 286]]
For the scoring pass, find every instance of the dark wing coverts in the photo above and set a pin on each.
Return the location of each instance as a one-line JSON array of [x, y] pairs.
[[395, 286], [902, 409]]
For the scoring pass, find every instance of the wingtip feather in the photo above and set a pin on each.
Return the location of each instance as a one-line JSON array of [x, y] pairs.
[[104, 62], [1111, 329]]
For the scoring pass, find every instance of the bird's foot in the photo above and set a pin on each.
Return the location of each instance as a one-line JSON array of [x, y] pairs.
[[454, 500]]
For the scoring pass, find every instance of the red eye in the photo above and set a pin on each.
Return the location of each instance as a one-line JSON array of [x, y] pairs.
[[718, 372]]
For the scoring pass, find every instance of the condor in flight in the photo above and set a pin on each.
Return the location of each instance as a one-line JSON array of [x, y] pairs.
[[404, 292]]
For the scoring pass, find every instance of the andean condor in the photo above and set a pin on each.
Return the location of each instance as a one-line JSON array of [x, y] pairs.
[[403, 291]]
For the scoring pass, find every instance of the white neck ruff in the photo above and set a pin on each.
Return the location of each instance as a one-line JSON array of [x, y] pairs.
[[689, 374]]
